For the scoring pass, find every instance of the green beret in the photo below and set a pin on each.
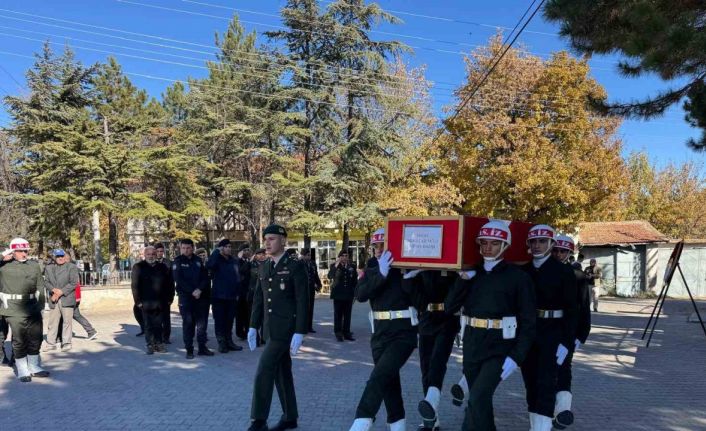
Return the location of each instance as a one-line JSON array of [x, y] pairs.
[[274, 229]]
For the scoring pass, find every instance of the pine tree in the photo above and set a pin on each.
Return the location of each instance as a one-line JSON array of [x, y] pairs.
[[58, 145], [661, 37]]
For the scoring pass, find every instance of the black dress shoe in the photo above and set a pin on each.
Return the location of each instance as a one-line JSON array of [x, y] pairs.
[[348, 337], [258, 425], [140, 334], [284, 425], [190, 353], [150, 350], [339, 337], [41, 374], [26, 379], [311, 331], [203, 351]]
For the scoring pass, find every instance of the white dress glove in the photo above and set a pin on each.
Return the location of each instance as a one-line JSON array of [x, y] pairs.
[[577, 344], [509, 367], [384, 262], [296, 343], [561, 353], [252, 338], [467, 275], [411, 274]]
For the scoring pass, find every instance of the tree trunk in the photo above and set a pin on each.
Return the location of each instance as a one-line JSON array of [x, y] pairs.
[[112, 242], [95, 226], [346, 237]]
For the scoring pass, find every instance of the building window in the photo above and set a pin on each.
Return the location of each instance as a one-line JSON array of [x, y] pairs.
[[356, 253], [326, 253]]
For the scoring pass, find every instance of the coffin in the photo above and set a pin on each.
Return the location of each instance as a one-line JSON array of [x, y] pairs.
[[445, 242]]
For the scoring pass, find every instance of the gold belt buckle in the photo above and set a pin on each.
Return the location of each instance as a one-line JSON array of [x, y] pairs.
[[436, 307]]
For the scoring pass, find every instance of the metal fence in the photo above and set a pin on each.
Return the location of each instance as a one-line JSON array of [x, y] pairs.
[[101, 278]]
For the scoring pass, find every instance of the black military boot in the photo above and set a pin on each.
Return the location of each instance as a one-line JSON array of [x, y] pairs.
[[232, 346], [203, 350], [258, 425], [222, 345], [283, 425], [189, 353]]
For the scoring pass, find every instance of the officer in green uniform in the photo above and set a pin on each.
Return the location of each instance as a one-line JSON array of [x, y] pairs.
[[22, 300], [280, 305]]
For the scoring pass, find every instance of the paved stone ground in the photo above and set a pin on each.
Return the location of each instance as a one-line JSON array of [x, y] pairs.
[[111, 384]]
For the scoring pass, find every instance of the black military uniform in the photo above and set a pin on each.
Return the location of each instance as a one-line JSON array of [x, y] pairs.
[[4, 329], [166, 313], [437, 333], [22, 289], [343, 282], [252, 283], [242, 313], [555, 290], [504, 291], [152, 290], [189, 274], [314, 286], [583, 329], [280, 307], [393, 341]]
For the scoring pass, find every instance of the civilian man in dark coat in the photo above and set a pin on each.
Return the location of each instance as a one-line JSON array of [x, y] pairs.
[[225, 273], [314, 282], [343, 278], [152, 290], [167, 312], [193, 288]]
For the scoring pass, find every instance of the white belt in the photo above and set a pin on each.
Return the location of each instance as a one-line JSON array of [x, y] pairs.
[[410, 313], [4, 297], [550, 314], [17, 296], [392, 314]]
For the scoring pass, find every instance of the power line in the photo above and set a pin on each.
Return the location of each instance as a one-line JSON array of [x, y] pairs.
[[455, 20], [19, 86], [386, 33], [259, 55], [492, 68]]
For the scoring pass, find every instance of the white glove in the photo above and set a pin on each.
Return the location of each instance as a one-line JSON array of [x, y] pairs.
[[384, 262], [577, 344], [6, 252], [467, 275], [509, 367], [252, 338], [297, 340], [561, 353], [411, 274]]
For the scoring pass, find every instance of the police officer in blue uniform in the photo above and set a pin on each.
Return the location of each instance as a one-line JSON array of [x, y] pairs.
[[280, 306], [193, 288]]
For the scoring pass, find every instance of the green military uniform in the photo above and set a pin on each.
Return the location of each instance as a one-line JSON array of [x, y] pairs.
[[280, 306], [22, 286]]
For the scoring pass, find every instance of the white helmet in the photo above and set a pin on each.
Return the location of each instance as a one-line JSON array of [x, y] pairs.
[[19, 244], [542, 231], [498, 231], [378, 236], [565, 242]]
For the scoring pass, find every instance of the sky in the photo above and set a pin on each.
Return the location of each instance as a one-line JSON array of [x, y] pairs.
[[159, 41]]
